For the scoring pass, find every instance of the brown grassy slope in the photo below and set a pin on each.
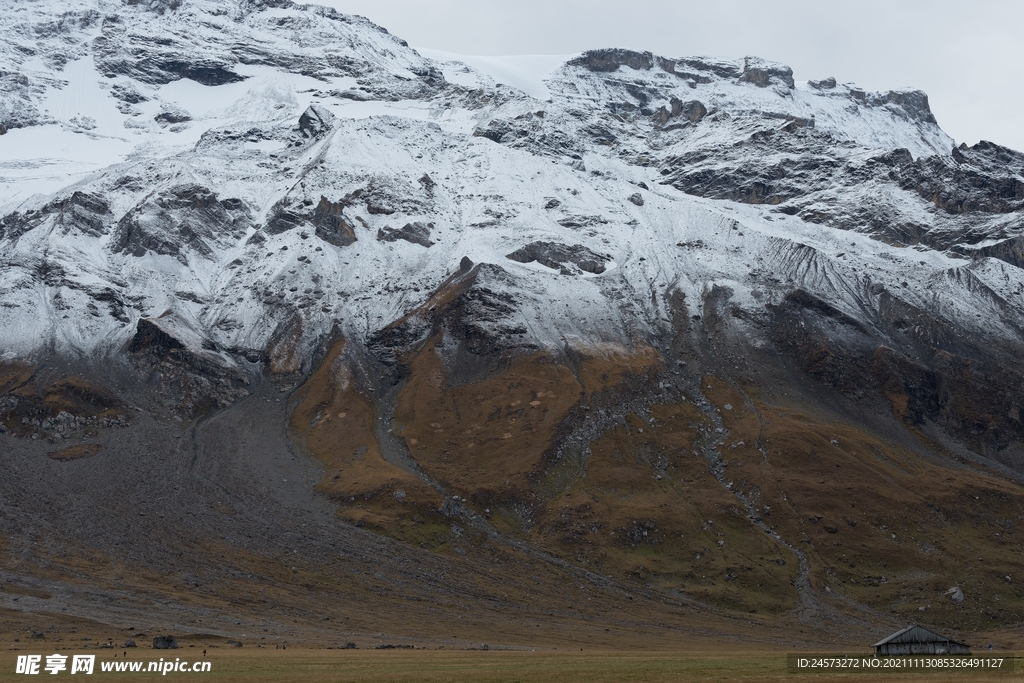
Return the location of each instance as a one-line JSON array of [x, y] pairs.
[[882, 527], [14, 375], [485, 439], [880, 524], [645, 507], [641, 507], [333, 421]]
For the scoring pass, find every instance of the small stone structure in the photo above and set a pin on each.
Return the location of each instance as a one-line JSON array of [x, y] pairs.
[[918, 640]]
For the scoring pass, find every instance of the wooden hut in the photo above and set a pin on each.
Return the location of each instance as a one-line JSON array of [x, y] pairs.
[[918, 640]]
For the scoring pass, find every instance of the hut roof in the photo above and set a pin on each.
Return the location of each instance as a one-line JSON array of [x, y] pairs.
[[915, 633]]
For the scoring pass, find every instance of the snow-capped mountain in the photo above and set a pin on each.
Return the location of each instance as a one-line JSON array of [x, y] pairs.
[[224, 210], [218, 190]]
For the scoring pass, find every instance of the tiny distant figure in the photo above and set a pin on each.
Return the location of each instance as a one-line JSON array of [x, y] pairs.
[[125, 653], [990, 647], [204, 653]]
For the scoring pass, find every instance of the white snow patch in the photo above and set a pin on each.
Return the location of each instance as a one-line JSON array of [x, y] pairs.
[[82, 103], [43, 159], [525, 72], [266, 146]]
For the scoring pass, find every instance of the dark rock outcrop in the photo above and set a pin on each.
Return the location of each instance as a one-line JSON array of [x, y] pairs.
[[152, 67], [762, 74], [985, 178], [611, 59], [188, 376], [173, 115], [158, 60], [793, 164], [415, 232], [315, 121], [327, 219], [181, 219], [150, 337], [331, 226], [84, 212], [128, 93], [692, 110], [913, 102], [165, 643], [555, 255], [470, 308], [283, 219], [1010, 250]]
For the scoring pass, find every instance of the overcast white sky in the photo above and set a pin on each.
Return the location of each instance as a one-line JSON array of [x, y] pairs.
[[967, 55]]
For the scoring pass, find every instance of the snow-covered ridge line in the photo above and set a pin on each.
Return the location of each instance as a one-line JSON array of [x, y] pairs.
[[248, 169]]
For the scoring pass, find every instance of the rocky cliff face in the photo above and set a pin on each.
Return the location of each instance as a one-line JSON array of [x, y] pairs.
[[661, 324]]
